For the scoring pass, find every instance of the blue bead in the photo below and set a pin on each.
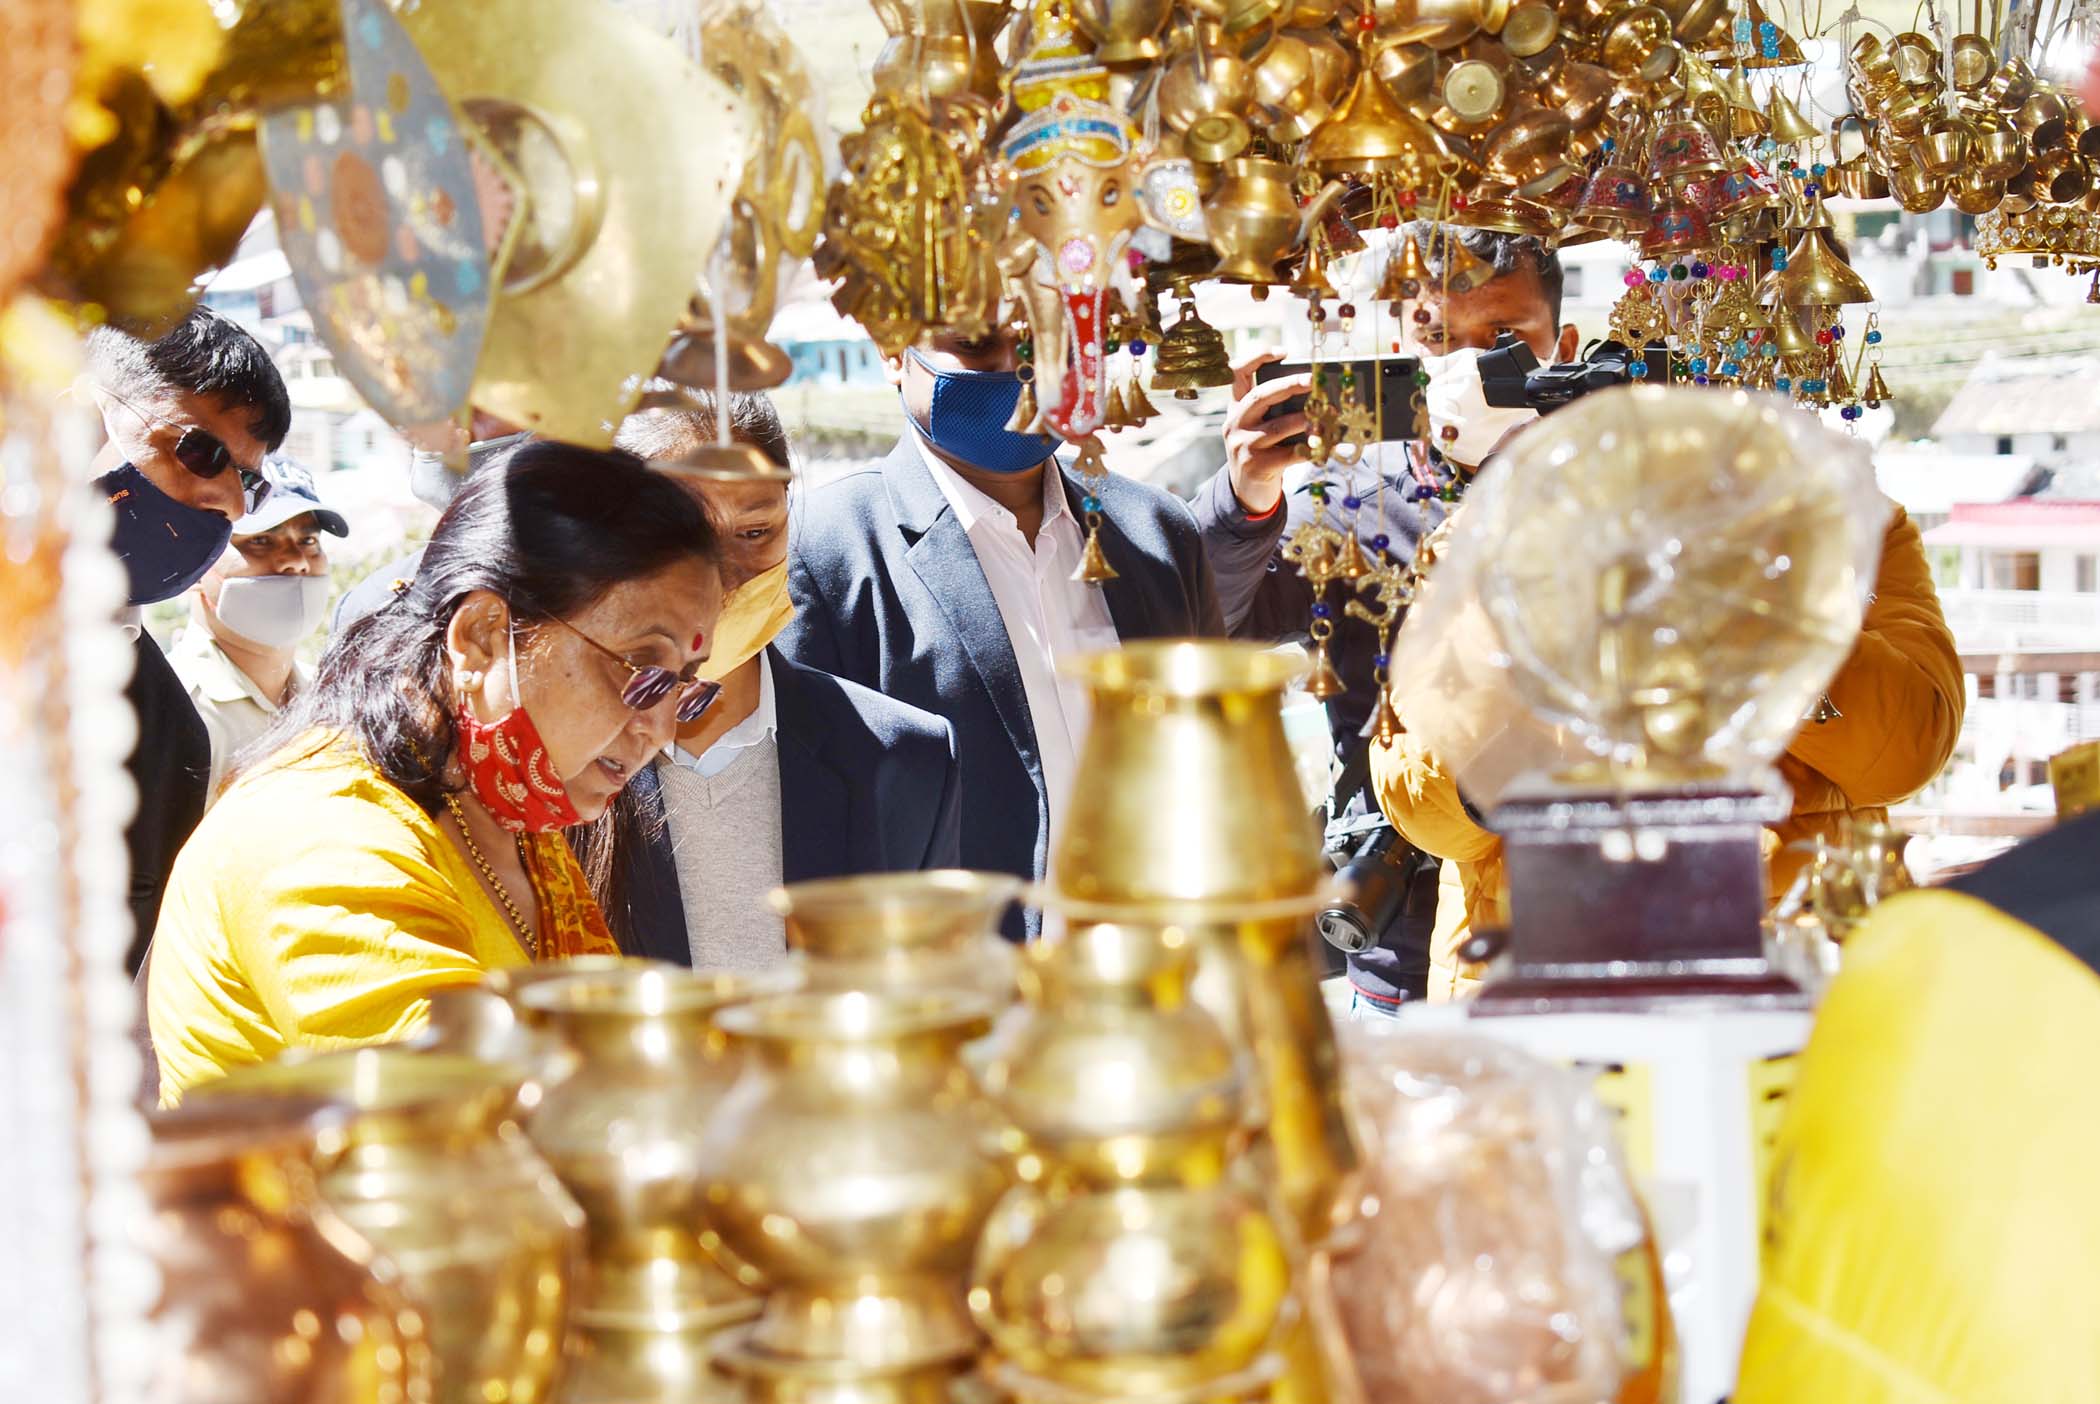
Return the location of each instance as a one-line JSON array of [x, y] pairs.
[[1700, 270], [1698, 380], [1611, 144], [1698, 364], [1769, 349], [1742, 346], [1137, 348], [1818, 169], [1090, 504], [1742, 31], [1352, 502], [1658, 275], [1638, 370], [1815, 387], [1767, 28], [1731, 367], [1381, 541], [1873, 338], [1321, 611], [1837, 331], [1380, 660], [1783, 383], [1778, 262]]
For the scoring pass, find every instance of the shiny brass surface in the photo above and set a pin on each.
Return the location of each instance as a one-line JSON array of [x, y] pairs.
[[1439, 24], [1182, 718], [1786, 121], [628, 224], [853, 1164], [904, 932], [1191, 356], [1974, 62], [1254, 218], [2043, 120], [1138, 1261], [1287, 88], [1125, 32], [1817, 276], [940, 48], [1208, 80], [1916, 190], [436, 1174], [623, 1131], [753, 363], [266, 1295]]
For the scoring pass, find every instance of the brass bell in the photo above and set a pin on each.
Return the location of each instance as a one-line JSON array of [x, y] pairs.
[[1312, 280], [1191, 357], [1323, 682], [1385, 722], [1839, 382], [1094, 568], [1349, 562], [1788, 125], [1025, 412], [1141, 409], [1614, 200], [1405, 275], [1817, 276], [1464, 270], [1684, 147], [1877, 392], [1790, 336], [1115, 415], [1371, 133], [1745, 117], [1676, 226]]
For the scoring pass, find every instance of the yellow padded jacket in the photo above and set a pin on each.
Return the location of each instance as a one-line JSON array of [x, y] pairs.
[[1900, 701]]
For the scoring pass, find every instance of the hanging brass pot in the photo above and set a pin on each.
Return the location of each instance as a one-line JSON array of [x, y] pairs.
[[1975, 193], [1287, 90], [1125, 32], [941, 48], [1208, 80], [1999, 153], [1916, 190], [1944, 149], [1974, 62], [1637, 44], [2042, 119], [1917, 60], [2059, 177]]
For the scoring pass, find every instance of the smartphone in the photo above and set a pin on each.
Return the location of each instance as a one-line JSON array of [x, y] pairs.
[[1394, 376]]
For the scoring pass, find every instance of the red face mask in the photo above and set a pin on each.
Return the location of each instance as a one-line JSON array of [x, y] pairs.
[[508, 768]]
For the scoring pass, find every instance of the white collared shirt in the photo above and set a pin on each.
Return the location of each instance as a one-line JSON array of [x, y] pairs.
[[235, 711], [1050, 618], [761, 726]]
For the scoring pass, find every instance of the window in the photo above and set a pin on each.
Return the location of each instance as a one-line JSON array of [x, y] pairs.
[[2067, 688], [1964, 282], [2012, 570], [2027, 686], [2059, 442], [1571, 284], [2088, 574], [1986, 684], [2005, 443]]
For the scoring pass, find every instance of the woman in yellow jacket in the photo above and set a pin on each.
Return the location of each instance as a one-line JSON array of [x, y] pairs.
[[403, 830], [1899, 701]]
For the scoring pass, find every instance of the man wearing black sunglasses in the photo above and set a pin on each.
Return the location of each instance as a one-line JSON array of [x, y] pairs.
[[189, 418]]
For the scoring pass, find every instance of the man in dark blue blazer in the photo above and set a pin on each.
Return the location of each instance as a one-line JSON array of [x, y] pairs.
[[790, 774], [867, 785], [944, 578]]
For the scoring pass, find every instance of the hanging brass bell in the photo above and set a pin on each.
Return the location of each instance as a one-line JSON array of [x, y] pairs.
[[1789, 335], [1464, 270], [1385, 722], [1349, 562], [1745, 117], [1816, 275], [1115, 415], [1312, 280], [1094, 568], [1405, 275], [1838, 383], [1141, 409], [1323, 682], [1025, 412], [1191, 356], [1788, 125], [1877, 391]]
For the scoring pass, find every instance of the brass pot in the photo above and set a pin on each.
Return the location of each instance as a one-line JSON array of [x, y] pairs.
[[266, 1295], [1875, 69], [1909, 115], [485, 1021], [1859, 178], [1582, 92], [1130, 1097], [1439, 24], [1975, 193], [1125, 32], [623, 1131], [1530, 150], [1200, 726], [945, 48], [1917, 60], [1286, 88], [1332, 65], [902, 932], [1254, 218], [2010, 86], [1999, 153], [1206, 81], [438, 1176], [1409, 72], [2059, 178], [1974, 63], [853, 1163], [1916, 190], [1637, 44], [2042, 119], [1942, 150]]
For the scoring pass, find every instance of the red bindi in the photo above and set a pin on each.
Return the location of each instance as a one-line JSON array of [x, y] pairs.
[[698, 639]]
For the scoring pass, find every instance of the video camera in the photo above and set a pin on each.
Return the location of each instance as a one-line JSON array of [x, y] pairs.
[[1512, 378]]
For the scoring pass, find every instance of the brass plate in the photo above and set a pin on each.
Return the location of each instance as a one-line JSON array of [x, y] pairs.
[[625, 224]]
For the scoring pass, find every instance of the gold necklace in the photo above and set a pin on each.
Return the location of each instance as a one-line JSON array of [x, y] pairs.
[[526, 938]]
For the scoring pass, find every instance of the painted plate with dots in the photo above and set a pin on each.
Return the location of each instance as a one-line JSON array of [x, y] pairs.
[[395, 216]]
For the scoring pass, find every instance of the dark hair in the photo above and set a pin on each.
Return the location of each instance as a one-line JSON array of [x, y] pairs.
[[1507, 253], [670, 432], [205, 355], [550, 530]]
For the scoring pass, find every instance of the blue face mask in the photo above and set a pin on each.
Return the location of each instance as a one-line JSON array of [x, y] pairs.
[[968, 418], [166, 545]]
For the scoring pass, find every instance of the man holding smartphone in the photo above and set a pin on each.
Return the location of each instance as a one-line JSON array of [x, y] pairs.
[[1246, 513]]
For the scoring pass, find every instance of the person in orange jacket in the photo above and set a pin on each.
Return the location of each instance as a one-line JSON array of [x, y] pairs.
[[1899, 704]]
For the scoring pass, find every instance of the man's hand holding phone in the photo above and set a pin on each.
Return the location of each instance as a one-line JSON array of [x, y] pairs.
[[1259, 450]]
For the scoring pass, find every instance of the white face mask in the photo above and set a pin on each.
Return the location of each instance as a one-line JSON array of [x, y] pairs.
[[273, 611], [1455, 398]]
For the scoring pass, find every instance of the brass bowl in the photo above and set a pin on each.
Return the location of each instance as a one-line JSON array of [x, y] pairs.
[[1975, 193], [1915, 189], [1999, 153]]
